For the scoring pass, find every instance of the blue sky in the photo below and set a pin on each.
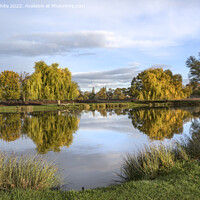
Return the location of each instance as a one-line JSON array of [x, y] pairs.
[[103, 43]]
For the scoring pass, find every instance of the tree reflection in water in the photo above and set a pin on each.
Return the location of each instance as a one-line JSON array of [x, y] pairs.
[[159, 124], [50, 131], [10, 125]]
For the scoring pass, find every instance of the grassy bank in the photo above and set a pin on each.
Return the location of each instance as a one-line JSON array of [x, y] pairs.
[[70, 107], [181, 182], [104, 105], [13, 109]]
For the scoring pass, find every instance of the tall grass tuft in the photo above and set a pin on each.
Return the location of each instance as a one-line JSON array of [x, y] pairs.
[[147, 164], [191, 143], [27, 172]]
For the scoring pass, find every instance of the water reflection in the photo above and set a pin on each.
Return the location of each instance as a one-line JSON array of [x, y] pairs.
[[10, 125], [159, 124], [48, 130], [51, 130]]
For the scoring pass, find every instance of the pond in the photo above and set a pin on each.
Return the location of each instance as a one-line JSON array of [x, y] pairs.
[[89, 146]]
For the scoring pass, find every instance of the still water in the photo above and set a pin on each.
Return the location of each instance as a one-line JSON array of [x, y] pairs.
[[89, 146]]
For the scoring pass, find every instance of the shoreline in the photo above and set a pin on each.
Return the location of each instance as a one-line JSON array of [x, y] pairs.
[[14, 106]]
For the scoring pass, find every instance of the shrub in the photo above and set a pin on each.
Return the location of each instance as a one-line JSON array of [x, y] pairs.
[[147, 164], [27, 172]]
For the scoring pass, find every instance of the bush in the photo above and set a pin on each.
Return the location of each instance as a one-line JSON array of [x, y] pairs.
[[147, 164], [27, 172]]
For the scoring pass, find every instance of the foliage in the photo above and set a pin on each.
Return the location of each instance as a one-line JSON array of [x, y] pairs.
[[92, 94], [27, 172], [101, 94], [23, 78], [147, 164], [118, 94], [159, 123], [9, 85], [51, 82], [156, 84], [194, 65]]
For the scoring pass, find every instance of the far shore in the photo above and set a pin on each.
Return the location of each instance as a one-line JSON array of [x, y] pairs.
[[54, 105]]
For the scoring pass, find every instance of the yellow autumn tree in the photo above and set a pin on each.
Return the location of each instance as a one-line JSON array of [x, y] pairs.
[[157, 84], [9, 85], [51, 82]]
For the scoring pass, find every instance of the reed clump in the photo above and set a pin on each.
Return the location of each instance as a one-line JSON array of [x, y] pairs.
[[150, 162], [27, 172]]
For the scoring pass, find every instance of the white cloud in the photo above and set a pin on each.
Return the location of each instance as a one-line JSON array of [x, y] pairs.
[[161, 66], [39, 44], [113, 78]]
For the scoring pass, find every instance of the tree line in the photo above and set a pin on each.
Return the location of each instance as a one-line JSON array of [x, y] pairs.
[[47, 82], [50, 82]]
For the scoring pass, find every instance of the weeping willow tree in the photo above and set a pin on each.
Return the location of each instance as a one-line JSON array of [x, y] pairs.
[[51, 82], [159, 124], [157, 84], [10, 125], [50, 131]]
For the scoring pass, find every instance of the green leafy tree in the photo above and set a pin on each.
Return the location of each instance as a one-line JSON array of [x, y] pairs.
[[23, 78], [92, 94], [101, 94], [109, 93], [194, 65], [194, 74], [9, 85], [157, 84], [118, 94], [51, 82]]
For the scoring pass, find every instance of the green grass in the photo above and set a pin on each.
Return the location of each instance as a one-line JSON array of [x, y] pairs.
[[105, 105], [27, 172], [13, 109], [150, 162], [181, 182]]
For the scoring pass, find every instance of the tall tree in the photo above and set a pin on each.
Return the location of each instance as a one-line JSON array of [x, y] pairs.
[[194, 74], [51, 82], [9, 85], [157, 84], [23, 78], [194, 66], [92, 94]]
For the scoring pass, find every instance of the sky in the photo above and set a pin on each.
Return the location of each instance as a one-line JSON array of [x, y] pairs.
[[103, 43]]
